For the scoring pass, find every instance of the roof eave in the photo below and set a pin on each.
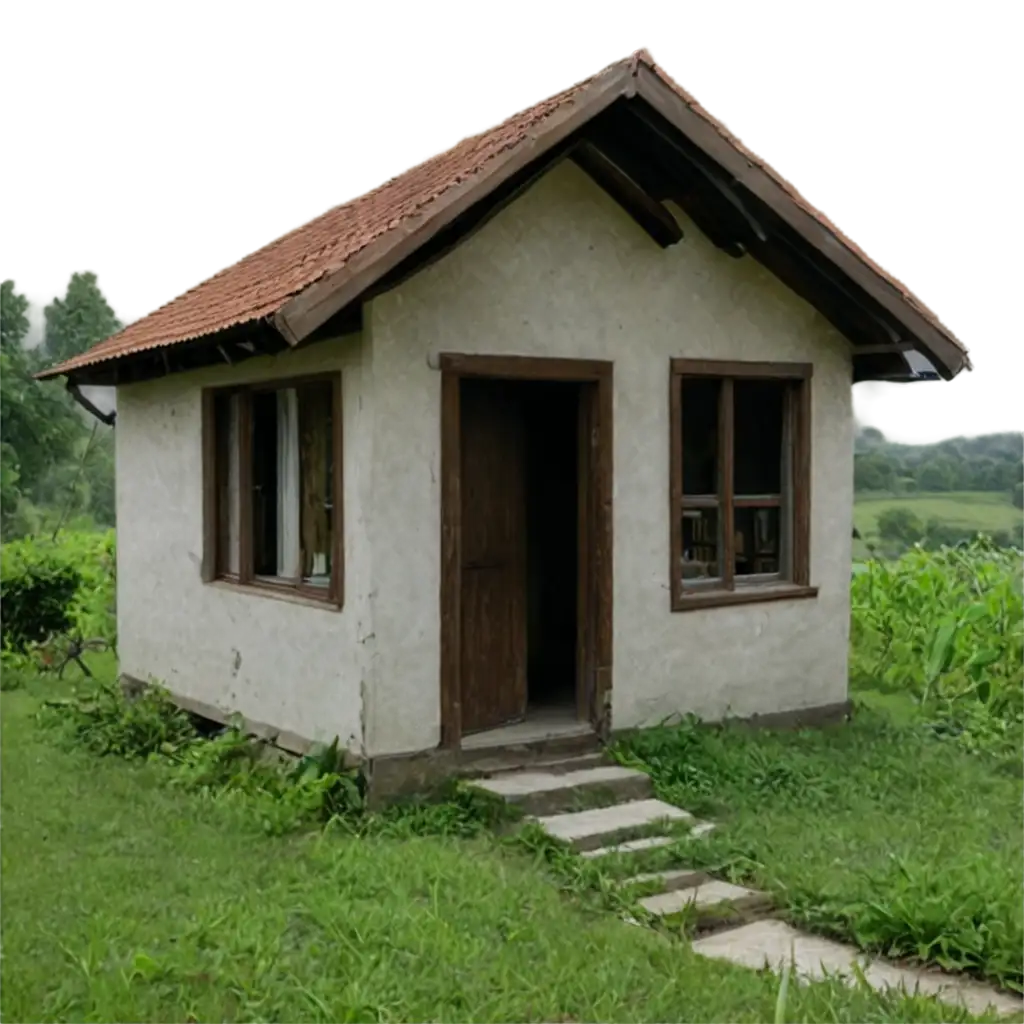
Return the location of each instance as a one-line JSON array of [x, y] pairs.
[[297, 317]]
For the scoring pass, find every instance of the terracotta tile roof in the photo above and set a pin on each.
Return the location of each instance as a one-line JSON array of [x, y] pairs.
[[262, 283]]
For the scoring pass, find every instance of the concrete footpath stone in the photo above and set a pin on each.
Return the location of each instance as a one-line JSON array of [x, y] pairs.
[[587, 830], [709, 894], [632, 846], [776, 943]]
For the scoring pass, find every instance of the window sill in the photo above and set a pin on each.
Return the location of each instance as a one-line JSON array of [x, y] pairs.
[[278, 593], [747, 595]]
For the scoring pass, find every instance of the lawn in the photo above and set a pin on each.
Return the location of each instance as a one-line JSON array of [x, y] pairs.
[[875, 832], [974, 510], [127, 896], [126, 899]]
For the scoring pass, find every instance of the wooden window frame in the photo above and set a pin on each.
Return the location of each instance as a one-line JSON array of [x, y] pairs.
[[725, 590], [334, 594]]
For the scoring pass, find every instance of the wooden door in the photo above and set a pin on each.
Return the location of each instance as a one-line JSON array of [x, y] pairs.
[[493, 569]]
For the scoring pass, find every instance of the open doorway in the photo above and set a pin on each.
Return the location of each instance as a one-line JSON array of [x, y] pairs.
[[526, 581], [551, 412]]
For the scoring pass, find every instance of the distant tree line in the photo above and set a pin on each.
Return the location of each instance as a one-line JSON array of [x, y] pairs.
[[900, 527], [993, 462], [56, 461]]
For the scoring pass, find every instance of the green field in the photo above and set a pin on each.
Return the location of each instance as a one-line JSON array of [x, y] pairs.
[[200, 882], [982, 511], [125, 899]]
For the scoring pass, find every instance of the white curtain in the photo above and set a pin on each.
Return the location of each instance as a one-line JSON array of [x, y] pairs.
[[288, 537]]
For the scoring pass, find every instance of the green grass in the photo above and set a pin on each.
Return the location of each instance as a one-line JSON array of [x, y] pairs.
[[875, 832], [974, 510], [126, 899]]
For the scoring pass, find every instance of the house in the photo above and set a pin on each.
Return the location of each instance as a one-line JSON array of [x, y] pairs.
[[549, 436]]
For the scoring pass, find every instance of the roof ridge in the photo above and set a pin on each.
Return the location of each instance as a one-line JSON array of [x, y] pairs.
[[260, 284]]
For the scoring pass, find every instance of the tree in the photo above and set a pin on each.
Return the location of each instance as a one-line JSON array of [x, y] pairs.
[[79, 320], [44, 432], [873, 471], [38, 425], [73, 324], [900, 524], [1018, 495], [13, 317], [938, 474]]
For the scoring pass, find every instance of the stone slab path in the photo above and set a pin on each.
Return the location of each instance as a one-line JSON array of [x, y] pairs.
[[733, 919], [776, 943]]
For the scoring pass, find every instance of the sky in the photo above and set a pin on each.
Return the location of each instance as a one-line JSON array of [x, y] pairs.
[[148, 144]]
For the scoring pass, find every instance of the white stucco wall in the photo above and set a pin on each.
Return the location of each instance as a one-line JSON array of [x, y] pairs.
[[297, 667], [565, 272], [561, 272]]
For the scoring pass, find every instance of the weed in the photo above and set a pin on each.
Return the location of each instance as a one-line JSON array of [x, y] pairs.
[[103, 721], [873, 833]]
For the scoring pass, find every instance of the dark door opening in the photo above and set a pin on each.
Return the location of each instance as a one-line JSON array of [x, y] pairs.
[[551, 412], [519, 553]]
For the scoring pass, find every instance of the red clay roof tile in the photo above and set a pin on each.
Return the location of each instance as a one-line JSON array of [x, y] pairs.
[[260, 284]]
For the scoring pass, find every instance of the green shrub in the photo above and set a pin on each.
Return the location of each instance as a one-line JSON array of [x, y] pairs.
[[56, 586], [37, 587]]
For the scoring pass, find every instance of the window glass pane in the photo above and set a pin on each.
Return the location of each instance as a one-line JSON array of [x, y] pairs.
[[293, 467], [757, 543], [759, 414], [264, 483], [701, 544], [226, 475], [317, 474], [700, 434]]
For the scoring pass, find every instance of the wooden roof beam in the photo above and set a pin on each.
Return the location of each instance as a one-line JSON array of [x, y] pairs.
[[646, 211]]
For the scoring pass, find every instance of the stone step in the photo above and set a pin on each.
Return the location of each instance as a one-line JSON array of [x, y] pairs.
[[632, 846], [775, 943], [668, 881], [499, 764], [710, 899], [488, 747], [547, 792], [588, 830]]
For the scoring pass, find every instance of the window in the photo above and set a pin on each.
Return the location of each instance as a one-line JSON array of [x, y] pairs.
[[272, 485], [740, 482]]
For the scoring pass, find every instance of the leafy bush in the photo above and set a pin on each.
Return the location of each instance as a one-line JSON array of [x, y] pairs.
[[52, 586], [948, 628], [37, 587]]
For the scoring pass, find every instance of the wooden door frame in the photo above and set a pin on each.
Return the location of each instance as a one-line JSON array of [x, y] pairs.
[[594, 564]]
